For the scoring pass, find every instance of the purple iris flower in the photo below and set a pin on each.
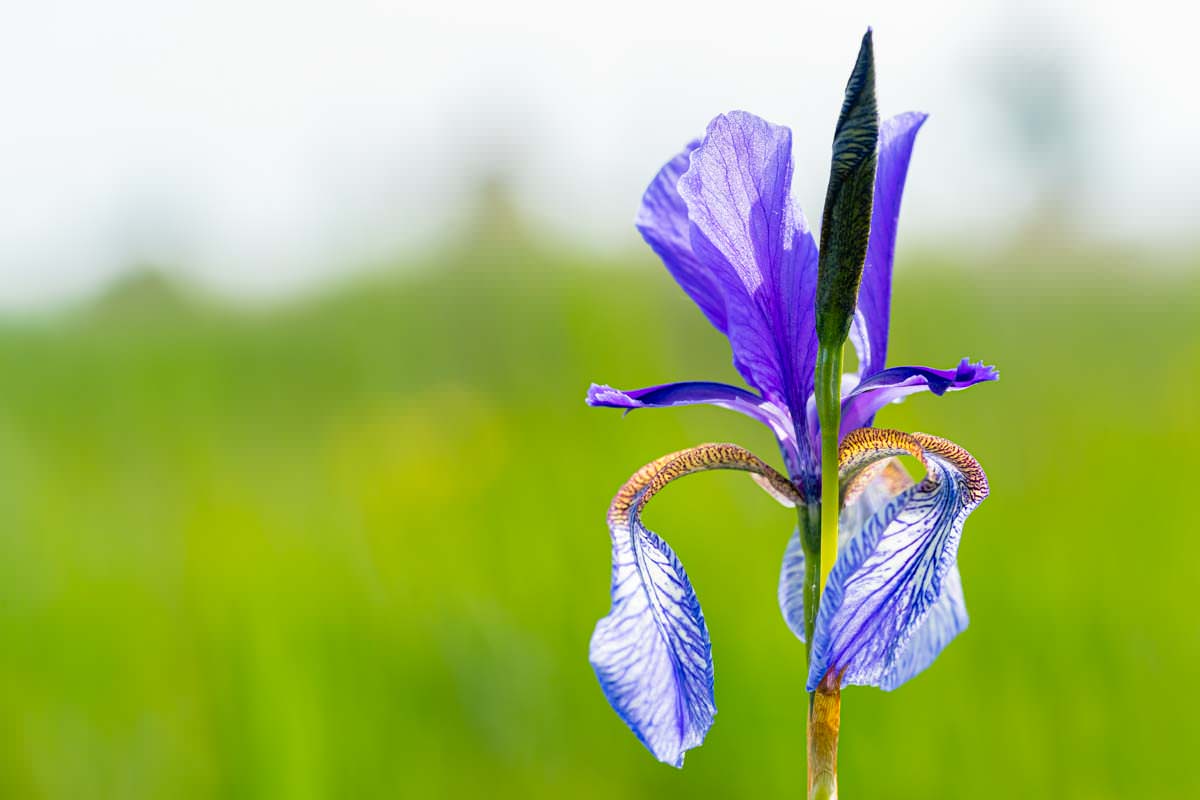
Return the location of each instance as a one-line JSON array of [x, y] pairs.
[[721, 216]]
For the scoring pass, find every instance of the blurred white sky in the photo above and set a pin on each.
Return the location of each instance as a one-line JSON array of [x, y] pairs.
[[262, 145]]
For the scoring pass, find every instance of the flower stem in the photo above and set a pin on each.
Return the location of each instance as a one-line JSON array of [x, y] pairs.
[[810, 540], [824, 722], [828, 389], [825, 704]]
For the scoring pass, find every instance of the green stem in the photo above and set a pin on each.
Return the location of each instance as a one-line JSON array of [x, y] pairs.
[[819, 535], [829, 411], [810, 539], [820, 735]]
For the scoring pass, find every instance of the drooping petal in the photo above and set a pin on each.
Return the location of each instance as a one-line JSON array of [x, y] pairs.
[[880, 482], [860, 405], [791, 585], [892, 601], [664, 224], [722, 395], [652, 653], [749, 236], [947, 618], [870, 329], [884, 481]]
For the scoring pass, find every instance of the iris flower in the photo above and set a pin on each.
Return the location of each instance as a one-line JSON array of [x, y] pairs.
[[721, 217]]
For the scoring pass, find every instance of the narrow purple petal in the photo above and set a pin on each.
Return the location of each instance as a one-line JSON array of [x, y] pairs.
[[748, 235], [664, 224], [859, 406], [870, 329], [684, 393], [893, 600], [722, 395]]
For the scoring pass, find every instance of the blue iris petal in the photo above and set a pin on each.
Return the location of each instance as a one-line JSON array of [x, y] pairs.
[[894, 600], [947, 618], [853, 517], [791, 586], [652, 652]]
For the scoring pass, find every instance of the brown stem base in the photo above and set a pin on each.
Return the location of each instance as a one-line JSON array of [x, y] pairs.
[[824, 721]]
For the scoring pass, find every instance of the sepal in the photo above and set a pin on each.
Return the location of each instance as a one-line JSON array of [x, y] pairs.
[[652, 653], [894, 598]]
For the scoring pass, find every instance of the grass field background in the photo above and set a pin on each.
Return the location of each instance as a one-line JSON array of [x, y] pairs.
[[353, 545]]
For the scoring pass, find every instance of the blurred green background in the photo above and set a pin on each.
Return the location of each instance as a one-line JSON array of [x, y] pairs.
[[354, 545]]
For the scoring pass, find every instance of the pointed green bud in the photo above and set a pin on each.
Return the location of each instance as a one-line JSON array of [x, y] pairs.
[[846, 222]]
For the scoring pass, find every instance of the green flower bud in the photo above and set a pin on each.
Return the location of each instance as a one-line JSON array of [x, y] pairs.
[[846, 222]]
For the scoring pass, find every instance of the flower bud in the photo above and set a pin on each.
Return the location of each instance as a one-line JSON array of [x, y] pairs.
[[846, 222]]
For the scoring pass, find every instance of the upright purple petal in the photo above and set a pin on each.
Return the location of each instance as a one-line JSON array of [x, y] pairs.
[[893, 600], [749, 236], [722, 395], [664, 224], [652, 653], [860, 405], [738, 194], [870, 330]]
